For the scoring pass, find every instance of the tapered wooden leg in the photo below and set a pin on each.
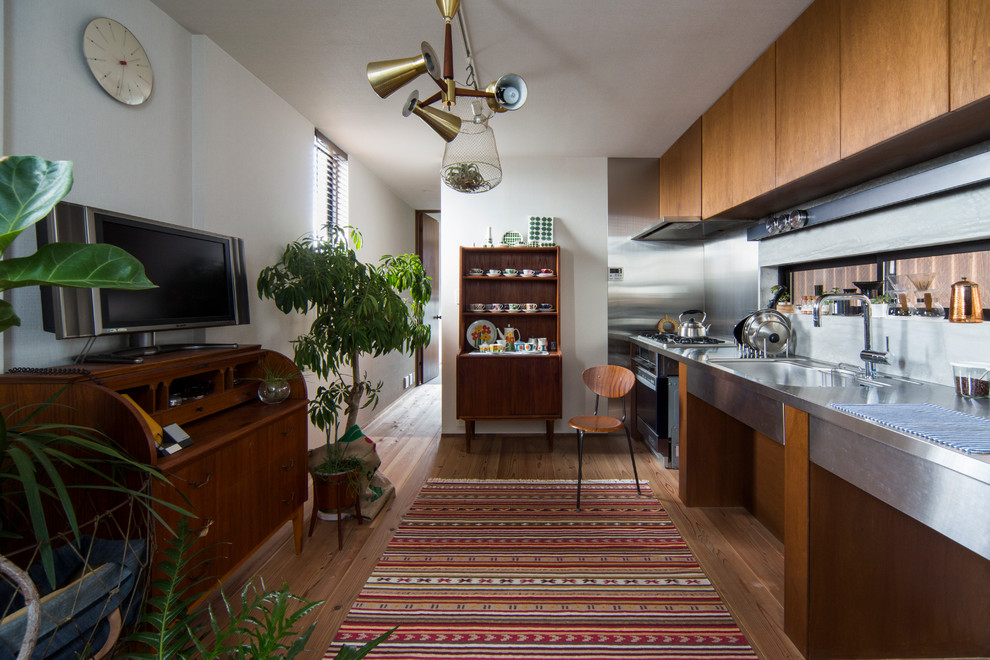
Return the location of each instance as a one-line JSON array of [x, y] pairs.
[[341, 489], [549, 435], [468, 434], [297, 529]]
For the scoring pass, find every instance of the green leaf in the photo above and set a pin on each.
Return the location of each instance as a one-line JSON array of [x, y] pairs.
[[75, 265], [29, 187], [7, 316]]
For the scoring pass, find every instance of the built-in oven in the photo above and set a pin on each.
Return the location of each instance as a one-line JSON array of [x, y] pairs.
[[657, 404]]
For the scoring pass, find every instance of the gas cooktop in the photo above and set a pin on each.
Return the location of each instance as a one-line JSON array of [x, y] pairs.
[[674, 338]]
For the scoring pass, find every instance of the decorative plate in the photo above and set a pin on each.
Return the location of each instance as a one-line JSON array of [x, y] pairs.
[[480, 332]]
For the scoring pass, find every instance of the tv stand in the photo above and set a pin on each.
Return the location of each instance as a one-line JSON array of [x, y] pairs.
[[137, 354], [245, 474]]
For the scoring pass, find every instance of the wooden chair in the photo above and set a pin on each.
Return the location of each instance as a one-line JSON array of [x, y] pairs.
[[612, 382]]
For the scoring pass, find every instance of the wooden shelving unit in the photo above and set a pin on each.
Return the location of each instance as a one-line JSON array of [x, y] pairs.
[[510, 386]]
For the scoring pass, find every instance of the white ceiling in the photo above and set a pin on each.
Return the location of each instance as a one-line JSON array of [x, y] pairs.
[[606, 78]]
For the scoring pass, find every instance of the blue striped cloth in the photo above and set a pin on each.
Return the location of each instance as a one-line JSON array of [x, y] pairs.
[[952, 428]]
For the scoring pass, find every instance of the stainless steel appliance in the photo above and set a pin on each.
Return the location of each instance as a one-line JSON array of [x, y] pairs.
[[656, 404]]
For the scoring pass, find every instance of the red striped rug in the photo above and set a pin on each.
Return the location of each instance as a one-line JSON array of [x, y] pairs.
[[508, 569]]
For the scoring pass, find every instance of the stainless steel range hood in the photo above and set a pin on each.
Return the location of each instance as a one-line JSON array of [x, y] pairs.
[[687, 228]]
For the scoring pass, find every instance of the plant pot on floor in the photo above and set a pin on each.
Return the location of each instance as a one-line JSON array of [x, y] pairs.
[[333, 493]]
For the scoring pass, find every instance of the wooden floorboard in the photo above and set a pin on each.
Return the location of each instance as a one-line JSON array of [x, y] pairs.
[[744, 561]]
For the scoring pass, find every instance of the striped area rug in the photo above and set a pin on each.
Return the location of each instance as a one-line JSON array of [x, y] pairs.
[[509, 570]]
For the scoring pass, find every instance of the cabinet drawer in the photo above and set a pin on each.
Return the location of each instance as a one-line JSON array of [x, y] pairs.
[[502, 387]]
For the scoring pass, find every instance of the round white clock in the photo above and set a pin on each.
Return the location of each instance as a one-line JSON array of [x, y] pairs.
[[118, 61]]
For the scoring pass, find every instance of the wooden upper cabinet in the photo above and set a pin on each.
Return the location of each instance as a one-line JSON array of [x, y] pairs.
[[807, 92], [894, 68], [969, 50], [737, 140], [680, 175]]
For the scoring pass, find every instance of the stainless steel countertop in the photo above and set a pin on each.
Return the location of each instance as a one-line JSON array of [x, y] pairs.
[[942, 487]]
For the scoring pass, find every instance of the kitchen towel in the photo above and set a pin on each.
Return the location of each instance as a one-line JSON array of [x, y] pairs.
[[952, 428]]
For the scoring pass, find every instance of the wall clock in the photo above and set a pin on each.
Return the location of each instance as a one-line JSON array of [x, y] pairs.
[[118, 61]]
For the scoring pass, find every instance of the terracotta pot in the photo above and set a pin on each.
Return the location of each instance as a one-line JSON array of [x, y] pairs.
[[328, 486]]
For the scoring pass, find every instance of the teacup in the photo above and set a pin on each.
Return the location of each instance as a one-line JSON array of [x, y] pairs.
[[510, 271], [546, 271], [476, 271], [496, 348], [496, 307], [531, 307], [477, 307], [494, 271], [546, 307], [528, 272], [514, 307], [523, 346]]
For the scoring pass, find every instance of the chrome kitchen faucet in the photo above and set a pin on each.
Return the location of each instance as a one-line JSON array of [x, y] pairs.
[[869, 357]]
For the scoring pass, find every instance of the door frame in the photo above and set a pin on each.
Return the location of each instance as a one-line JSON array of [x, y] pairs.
[[420, 213]]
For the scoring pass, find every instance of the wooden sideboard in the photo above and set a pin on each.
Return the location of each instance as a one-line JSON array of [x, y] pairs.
[[510, 386], [245, 474]]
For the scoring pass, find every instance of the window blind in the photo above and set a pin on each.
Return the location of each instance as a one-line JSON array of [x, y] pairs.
[[330, 191]]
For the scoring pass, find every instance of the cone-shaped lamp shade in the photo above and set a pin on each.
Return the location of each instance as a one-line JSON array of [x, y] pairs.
[[445, 124], [386, 76], [509, 93], [470, 161], [448, 8]]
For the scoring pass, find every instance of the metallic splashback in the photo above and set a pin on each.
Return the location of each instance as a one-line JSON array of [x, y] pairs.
[[658, 278], [732, 280]]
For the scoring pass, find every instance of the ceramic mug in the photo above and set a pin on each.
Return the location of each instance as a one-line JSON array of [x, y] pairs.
[[531, 307], [528, 272], [524, 346], [476, 271], [496, 307], [477, 307], [514, 307], [510, 271], [494, 271]]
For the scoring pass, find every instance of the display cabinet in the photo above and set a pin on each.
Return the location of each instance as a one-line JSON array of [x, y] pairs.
[[509, 385]]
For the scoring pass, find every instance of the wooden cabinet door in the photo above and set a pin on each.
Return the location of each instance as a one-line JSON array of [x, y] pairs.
[[894, 68], [969, 49], [492, 387], [807, 92], [680, 175], [737, 140]]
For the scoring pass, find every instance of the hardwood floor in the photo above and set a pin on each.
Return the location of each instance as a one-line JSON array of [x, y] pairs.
[[744, 561]]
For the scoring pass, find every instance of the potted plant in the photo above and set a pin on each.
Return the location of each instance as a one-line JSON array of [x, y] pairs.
[[358, 309]]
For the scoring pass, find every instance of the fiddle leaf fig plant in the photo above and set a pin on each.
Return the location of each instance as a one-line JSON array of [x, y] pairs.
[[358, 309], [32, 451]]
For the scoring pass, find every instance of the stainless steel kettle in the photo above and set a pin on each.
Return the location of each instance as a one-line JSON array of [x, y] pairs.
[[692, 328], [964, 303]]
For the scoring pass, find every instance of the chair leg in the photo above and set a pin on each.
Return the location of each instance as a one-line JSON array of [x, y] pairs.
[[632, 458], [580, 440]]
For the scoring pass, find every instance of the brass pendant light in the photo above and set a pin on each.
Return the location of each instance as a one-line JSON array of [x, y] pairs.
[[509, 92]]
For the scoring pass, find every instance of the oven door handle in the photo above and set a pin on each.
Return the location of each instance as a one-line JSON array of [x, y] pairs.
[[647, 379]]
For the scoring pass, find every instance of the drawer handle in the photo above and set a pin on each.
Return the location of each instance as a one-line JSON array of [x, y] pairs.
[[200, 484], [205, 529], [292, 463], [199, 409], [290, 498]]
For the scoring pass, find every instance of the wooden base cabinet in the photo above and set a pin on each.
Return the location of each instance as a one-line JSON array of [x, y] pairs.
[[510, 386], [244, 476]]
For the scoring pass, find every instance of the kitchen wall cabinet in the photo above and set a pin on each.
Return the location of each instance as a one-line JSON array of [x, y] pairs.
[[807, 93], [894, 68], [737, 140], [680, 176], [510, 386], [969, 51], [245, 474]]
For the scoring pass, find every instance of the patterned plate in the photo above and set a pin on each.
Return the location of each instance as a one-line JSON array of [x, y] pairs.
[[480, 332]]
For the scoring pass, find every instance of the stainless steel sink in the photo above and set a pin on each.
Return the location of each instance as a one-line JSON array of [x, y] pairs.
[[803, 372]]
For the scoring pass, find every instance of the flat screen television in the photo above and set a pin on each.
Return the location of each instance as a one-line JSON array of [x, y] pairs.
[[199, 274]]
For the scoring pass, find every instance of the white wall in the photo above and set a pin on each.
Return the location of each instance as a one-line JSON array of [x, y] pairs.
[[574, 191], [212, 148]]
